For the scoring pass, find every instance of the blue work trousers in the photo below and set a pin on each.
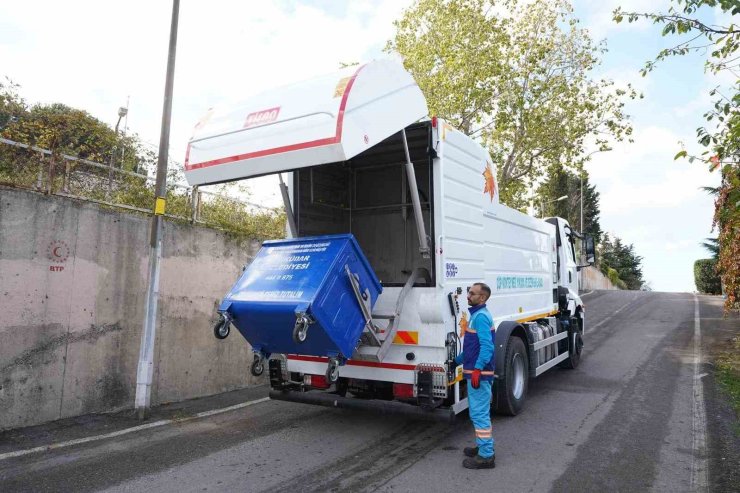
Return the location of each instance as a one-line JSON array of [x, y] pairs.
[[479, 402]]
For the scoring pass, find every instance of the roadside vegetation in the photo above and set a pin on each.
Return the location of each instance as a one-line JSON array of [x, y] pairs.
[[68, 131], [693, 22], [728, 375], [519, 76]]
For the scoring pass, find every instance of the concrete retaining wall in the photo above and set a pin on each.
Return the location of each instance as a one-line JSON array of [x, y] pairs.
[[73, 280], [594, 279]]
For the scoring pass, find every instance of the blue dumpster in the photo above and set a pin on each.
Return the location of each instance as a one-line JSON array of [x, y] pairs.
[[296, 297]]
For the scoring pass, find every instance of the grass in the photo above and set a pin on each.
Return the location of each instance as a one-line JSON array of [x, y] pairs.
[[728, 376]]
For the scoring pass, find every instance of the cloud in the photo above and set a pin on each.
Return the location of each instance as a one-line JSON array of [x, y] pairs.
[[93, 56], [644, 175]]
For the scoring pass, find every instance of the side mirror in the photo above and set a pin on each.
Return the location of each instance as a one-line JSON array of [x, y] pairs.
[[589, 248]]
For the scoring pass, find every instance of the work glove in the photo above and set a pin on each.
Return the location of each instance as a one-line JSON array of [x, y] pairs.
[[475, 378]]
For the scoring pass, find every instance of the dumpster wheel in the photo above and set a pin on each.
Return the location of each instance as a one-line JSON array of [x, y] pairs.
[[258, 366], [300, 330], [222, 328], [332, 371]]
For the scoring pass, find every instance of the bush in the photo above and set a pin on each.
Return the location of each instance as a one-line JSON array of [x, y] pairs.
[[706, 277], [613, 276]]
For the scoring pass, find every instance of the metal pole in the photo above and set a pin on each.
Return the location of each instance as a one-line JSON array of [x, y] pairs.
[[581, 199], [288, 209], [112, 157], [580, 281], [411, 175], [146, 351]]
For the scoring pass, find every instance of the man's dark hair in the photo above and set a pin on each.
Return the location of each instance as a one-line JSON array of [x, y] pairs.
[[484, 287]]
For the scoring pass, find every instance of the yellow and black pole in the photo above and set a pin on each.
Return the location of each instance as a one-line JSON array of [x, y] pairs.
[[146, 351]]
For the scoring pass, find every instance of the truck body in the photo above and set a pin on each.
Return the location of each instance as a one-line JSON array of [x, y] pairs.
[[361, 156]]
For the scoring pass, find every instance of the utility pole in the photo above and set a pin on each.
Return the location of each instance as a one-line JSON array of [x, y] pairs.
[[581, 230], [146, 351]]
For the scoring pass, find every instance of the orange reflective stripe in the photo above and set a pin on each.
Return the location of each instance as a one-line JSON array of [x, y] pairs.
[[406, 337]]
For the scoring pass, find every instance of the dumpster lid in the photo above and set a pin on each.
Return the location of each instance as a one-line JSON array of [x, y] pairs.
[[327, 119]]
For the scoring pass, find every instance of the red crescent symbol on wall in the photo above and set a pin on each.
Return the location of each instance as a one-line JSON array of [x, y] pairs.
[[54, 252]]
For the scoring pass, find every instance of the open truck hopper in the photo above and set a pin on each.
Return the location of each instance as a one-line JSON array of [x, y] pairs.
[[299, 298]]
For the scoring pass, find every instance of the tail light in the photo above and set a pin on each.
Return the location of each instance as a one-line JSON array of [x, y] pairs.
[[316, 381], [403, 391]]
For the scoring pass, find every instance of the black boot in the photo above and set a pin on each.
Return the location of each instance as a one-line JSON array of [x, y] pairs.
[[479, 462], [470, 451]]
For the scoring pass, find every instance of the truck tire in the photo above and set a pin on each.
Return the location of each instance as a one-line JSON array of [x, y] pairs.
[[574, 357], [512, 385]]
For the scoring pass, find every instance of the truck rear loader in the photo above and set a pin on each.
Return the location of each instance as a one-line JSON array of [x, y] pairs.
[[391, 217]]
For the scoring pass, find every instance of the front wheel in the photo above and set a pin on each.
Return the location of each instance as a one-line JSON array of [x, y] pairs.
[[511, 387], [575, 345]]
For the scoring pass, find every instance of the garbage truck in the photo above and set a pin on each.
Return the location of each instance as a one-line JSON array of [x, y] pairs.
[[391, 216]]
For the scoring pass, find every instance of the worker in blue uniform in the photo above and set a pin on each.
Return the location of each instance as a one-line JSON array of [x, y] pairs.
[[477, 361]]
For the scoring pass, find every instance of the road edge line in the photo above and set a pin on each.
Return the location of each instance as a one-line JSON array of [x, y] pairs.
[[699, 473], [126, 431]]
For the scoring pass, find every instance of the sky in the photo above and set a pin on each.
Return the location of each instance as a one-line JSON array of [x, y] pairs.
[[97, 56]]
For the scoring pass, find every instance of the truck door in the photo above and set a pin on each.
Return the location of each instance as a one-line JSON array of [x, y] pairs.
[[569, 275]]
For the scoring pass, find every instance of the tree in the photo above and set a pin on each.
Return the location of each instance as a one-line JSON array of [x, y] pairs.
[[722, 138], [516, 75], [712, 246], [62, 129], [66, 130], [620, 263], [12, 105], [561, 182]]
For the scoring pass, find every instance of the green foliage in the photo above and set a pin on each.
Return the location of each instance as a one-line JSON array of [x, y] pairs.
[[615, 256], [12, 106], [561, 182], [518, 75], [234, 216], [728, 374], [68, 131], [720, 44], [712, 246], [724, 41], [727, 220], [705, 276]]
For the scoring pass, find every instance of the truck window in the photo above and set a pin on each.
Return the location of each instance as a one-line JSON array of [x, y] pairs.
[[569, 248], [368, 196]]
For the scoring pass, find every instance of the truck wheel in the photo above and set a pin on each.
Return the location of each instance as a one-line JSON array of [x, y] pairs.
[[574, 349], [511, 387]]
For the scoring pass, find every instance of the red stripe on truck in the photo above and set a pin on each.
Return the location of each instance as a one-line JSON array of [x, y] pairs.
[[292, 147], [370, 364], [265, 152]]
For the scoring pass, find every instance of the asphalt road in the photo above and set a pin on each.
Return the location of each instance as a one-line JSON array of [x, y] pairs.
[[630, 418]]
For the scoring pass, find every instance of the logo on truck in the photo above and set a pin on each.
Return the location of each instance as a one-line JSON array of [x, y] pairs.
[[490, 183], [262, 117]]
